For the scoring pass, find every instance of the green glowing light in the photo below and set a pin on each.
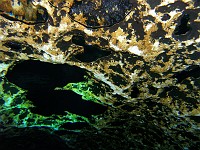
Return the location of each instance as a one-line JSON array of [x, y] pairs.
[[84, 89], [15, 110]]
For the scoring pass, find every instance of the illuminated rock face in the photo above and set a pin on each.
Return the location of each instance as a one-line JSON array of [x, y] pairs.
[[141, 60]]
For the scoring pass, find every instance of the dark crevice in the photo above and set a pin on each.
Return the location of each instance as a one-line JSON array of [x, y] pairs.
[[2, 101], [192, 71], [172, 6], [78, 40], [165, 17], [40, 79], [16, 46], [159, 33], [195, 118], [165, 91], [153, 3], [152, 90], [134, 92], [187, 27], [19, 47], [91, 52], [183, 27]]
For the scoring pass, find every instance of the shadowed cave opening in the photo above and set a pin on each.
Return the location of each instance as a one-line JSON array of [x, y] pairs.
[[41, 78]]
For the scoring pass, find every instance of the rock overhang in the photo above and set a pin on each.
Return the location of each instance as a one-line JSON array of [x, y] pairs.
[[141, 75]]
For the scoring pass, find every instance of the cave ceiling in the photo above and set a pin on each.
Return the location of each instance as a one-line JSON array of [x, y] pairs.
[[138, 60]]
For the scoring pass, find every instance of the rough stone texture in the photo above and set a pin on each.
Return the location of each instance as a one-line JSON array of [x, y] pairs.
[[29, 138], [147, 74]]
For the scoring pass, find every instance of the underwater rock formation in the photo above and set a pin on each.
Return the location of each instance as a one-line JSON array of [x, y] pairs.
[[140, 61]]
